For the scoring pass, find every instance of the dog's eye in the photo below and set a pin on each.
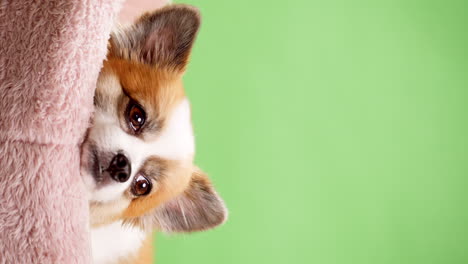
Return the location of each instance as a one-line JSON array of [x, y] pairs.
[[136, 116], [141, 186]]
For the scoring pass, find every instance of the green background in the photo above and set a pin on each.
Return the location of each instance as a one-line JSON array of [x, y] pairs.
[[336, 132]]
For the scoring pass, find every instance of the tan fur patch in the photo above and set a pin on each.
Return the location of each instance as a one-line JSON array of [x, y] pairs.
[[168, 187], [157, 90], [106, 213]]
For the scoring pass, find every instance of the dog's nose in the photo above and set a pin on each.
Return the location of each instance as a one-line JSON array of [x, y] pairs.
[[119, 168]]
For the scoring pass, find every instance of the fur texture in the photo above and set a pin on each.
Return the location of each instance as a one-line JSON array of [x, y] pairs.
[[50, 56], [116, 242]]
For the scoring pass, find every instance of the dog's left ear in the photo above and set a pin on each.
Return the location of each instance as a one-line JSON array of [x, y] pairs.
[[163, 38], [198, 208]]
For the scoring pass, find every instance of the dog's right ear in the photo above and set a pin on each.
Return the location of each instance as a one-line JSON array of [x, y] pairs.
[[163, 38], [198, 208]]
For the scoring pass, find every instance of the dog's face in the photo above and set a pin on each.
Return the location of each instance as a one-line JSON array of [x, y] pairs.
[[138, 156]]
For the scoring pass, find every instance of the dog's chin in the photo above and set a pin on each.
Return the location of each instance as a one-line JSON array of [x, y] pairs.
[[90, 168], [99, 185]]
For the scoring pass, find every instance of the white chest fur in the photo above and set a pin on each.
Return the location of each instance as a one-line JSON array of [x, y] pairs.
[[114, 241]]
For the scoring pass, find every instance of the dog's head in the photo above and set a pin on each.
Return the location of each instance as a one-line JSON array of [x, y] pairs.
[[138, 156]]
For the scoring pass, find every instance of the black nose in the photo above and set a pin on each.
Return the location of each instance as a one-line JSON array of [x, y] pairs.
[[119, 168]]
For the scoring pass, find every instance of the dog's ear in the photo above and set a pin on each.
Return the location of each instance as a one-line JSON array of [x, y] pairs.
[[198, 208], [163, 38]]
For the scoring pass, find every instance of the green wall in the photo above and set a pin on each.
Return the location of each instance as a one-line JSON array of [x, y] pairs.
[[336, 131]]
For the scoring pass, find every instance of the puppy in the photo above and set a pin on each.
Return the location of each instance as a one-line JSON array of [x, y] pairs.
[[138, 156]]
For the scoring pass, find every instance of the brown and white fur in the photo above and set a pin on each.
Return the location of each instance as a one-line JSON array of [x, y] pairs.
[[138, 156]]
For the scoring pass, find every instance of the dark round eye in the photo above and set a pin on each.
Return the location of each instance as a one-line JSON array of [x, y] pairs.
[[136, 116], [141, 186]]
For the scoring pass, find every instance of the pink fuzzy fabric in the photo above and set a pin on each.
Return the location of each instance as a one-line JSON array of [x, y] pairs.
[[50, 56]]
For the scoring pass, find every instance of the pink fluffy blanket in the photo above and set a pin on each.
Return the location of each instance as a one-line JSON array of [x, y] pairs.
[[50, 56]]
